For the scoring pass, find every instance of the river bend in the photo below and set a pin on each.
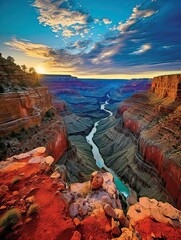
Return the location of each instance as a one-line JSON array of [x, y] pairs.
[[97, 155]]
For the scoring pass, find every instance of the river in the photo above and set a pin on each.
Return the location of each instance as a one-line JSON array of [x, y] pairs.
[[97, 155]]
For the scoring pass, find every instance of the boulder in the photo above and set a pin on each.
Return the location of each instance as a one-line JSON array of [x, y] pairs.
[[121, 217], [76, 221], [115, 228], [30, 199], [49, 160], [55, 175], [76, 236], [11, 202], [128, 234], [109, 211], [96, 180], [151, 208]]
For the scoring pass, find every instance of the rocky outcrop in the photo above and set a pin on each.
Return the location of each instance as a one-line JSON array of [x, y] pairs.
[[29, 189], [167, 86], [28, 120], [40, 203], [150, 219], [154, 120], [23, 110]]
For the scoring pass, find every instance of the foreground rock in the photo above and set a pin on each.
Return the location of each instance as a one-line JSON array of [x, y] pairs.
[[157, 211], [27, 186], [41, 209], [96, 180], [85, 200]]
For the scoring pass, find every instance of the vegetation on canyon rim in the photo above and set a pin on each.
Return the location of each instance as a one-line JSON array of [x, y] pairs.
[[15, 77], [10, 219]]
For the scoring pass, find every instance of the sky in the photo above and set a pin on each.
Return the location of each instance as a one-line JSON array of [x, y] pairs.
[[93, 38]]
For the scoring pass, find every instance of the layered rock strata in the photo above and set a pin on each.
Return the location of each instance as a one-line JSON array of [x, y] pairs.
[[28, 120], [154, 120], [167, 86], [23, 109]]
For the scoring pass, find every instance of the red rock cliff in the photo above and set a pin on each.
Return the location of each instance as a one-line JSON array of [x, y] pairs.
[[155, 119], [167, 86], [30, 116], [23, 109]]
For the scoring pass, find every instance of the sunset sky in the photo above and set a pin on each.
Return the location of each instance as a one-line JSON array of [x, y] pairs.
[[93, 38]]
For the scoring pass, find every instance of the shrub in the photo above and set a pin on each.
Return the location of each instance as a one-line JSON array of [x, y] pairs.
[[49, 114], [33, 208], [10, 218], [16, 180]]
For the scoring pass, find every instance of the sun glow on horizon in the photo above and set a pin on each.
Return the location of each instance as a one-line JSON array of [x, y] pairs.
[[40, 69]]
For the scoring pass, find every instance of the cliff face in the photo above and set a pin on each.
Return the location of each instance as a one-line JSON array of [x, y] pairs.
[[155, 119], [44, 207], [167, 86], [28, 120], [23, 109], [27, 116]]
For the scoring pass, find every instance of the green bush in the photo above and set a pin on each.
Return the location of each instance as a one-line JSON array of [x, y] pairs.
[[16, 180], [49, 114], [33, 208], [10, 218]]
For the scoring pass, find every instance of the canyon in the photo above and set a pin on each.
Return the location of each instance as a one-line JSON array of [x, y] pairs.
[[48, 174], [144, 142]]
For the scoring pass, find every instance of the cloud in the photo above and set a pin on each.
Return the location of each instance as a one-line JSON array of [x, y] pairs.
[[104, 56], [106, 21], [53, 57], [68, 33], [60, 15], [80, 44], [30, 49], [137, 14], [103, 20], [142, 49]]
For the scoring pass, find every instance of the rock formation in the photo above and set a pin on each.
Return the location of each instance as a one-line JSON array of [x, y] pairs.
[[29, 120], [167, 86], [27, 116], [154, 119], [23, 110], [45, 207]]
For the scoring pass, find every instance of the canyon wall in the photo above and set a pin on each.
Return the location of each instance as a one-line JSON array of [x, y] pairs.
[[167, 86], [23, 109], [28, 120], [154, 119]]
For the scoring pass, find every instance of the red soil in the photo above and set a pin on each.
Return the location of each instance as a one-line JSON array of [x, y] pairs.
[[95, 227], [148, 227], [52, 221]]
